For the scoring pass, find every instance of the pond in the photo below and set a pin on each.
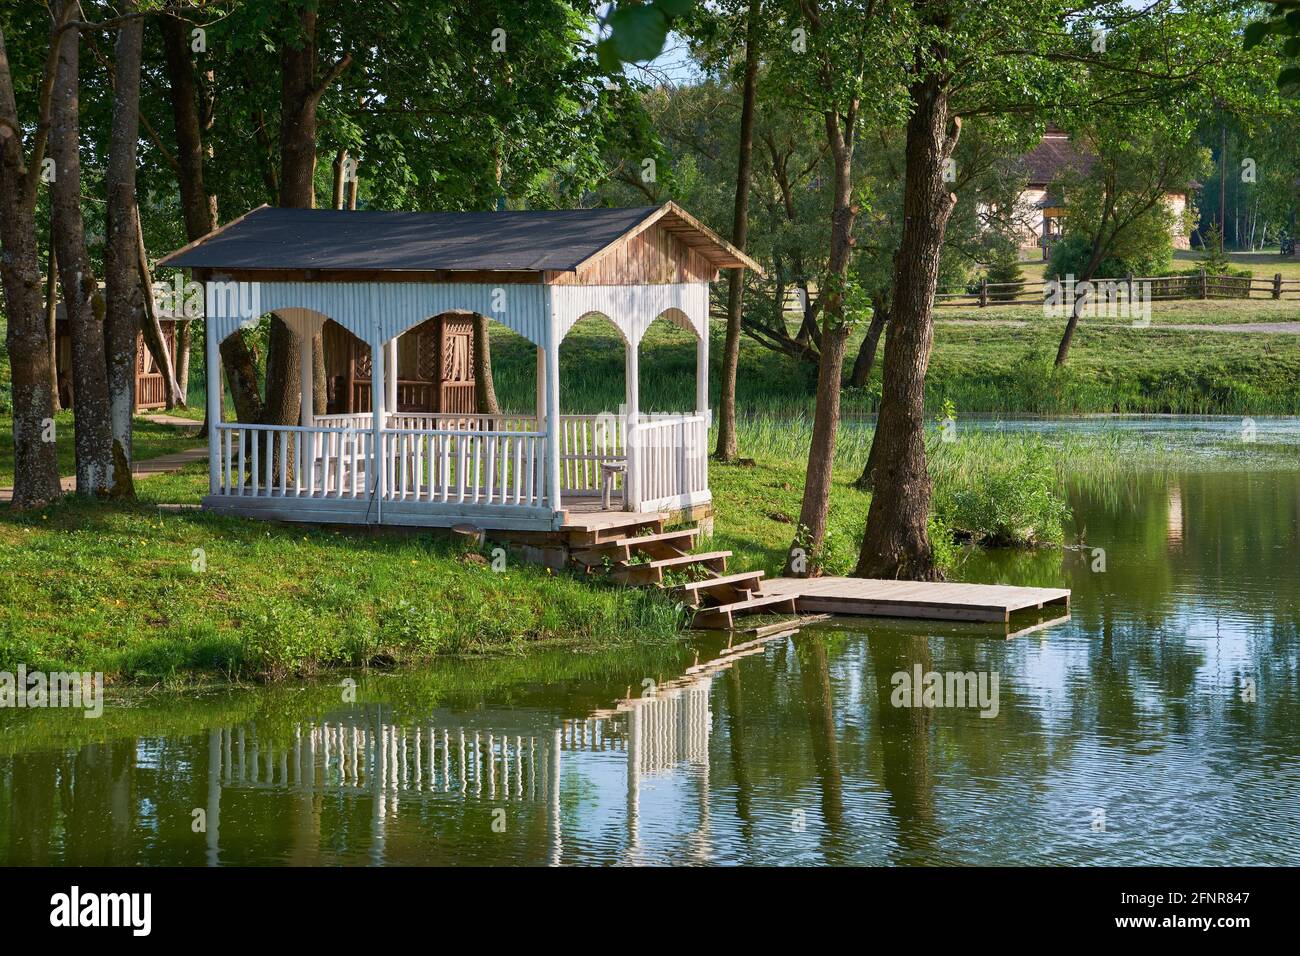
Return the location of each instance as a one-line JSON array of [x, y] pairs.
[[1160, 724]]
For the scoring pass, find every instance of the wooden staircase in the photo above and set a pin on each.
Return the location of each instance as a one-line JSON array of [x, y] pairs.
[[639, 552]]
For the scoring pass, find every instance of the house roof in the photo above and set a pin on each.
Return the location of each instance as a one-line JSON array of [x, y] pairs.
[[1053, 155], [558, 240]]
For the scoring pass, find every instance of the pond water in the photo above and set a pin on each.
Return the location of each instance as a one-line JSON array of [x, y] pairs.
[[1160, 724]]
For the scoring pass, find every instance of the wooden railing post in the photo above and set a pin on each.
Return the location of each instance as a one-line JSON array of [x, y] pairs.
[[984, 291], [1277, 285], [1205, 289]]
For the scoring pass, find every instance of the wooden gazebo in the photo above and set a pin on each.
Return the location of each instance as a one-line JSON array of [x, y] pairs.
[[374, 276]]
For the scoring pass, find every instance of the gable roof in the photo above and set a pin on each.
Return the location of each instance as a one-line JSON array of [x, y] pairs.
[[1053, 155], [544, 240]]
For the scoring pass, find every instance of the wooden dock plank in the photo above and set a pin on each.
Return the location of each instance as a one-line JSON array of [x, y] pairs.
[[939, 601]]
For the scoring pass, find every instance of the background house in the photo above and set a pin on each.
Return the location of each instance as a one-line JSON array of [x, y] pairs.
[[1042, 205]]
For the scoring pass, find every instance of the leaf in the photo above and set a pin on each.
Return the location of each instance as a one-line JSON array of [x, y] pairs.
[[1257, 31], [675, 8], [638, 33]]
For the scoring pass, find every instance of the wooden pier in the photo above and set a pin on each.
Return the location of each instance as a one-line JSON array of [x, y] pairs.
[[935, 601]]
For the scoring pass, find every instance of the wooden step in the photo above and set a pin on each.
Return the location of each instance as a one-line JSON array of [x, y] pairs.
[[588, 537], [652, 572], [725, 589], [722, 616], [664, 544]]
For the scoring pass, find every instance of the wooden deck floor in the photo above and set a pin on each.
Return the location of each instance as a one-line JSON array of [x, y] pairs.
[[929, 601]]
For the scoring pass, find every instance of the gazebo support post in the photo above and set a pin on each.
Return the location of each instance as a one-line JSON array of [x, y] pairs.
[[377, 373], [540, 407], [212, 364], [702, 371], [552, 407], [632, 426]]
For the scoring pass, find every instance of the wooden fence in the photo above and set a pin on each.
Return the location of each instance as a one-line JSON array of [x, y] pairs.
[[1162, 289]]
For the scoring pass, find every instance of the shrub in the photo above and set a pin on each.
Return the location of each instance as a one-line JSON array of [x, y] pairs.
[[1073, 252], [1005, 268]]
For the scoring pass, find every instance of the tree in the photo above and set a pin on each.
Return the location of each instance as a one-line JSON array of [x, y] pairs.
[[81, 295], [727, 449], [832, 78], [123, 293], [995, 60], [36, 474]]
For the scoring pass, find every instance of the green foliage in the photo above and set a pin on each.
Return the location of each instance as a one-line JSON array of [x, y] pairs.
[[1149, 253], [1005, 268], [1214, 260], [998, 493]]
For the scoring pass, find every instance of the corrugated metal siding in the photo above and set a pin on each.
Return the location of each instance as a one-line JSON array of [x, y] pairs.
[[394, 307]]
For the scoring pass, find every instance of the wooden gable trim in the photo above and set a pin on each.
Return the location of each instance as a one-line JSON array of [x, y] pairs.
[[688, 230]]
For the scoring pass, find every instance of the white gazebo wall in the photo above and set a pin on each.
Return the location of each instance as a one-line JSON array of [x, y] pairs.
[[379, 312]]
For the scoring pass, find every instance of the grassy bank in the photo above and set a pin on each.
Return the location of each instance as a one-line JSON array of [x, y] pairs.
[[150, 595]]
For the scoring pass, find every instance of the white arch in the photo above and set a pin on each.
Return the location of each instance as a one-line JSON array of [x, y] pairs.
[[632, 307]]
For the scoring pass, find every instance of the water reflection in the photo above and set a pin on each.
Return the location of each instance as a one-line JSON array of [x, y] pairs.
[[1168, 700]]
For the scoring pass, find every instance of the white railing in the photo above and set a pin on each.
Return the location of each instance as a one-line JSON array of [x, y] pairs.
[[671, 459], [275, 461], [586, 443], [465, 467], [466, 459]]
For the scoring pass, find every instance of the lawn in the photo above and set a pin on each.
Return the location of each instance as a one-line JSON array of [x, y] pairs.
[[150, 440], [985, 368]]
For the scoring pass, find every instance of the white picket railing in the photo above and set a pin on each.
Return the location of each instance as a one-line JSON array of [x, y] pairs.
[[671, 458], [465, 467], [276, 461], [465, 459]]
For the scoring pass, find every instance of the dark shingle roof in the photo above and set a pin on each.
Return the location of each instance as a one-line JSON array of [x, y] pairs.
[[327, 239], [1052, 156]]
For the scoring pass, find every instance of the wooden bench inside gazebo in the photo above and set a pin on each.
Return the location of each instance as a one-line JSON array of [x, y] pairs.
[[403, 443]]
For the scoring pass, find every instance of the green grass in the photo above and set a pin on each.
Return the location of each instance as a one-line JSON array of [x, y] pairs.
[[150, 440], [115, 588], [1177, 312], [983, 368]]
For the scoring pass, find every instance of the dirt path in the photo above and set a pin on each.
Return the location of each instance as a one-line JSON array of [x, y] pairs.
[[1266, 328], [162, 465]]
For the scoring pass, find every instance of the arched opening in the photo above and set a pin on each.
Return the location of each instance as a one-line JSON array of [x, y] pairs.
[[669, 363], [593, 373]]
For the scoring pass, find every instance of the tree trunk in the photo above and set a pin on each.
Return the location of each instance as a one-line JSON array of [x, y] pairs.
[[300, 92], [810, 535], [81, 295], [36, 464], [52, 319], [896, 543], [805, 552], [200, 211], [728, 448], [121, 275], [866, 359], [485, 394], [340, 179], [1067, 337]]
